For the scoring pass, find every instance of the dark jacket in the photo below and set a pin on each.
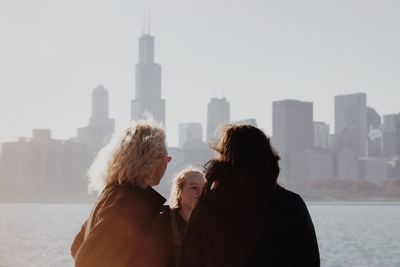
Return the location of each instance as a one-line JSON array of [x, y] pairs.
[[177, 233], [125, 228], [238, 230]]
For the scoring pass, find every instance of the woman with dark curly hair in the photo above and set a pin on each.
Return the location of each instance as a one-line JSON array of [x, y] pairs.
[[243, 217]]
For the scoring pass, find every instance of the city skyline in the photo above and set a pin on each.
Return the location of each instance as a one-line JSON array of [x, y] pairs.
[[259, 53], [355, 153], [252, 120], [101, 126], [55, 169]]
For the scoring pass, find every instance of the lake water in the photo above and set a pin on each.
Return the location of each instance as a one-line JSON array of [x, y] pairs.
[[348, 234]]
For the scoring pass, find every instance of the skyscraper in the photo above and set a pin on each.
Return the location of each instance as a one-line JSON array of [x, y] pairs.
[[351, 122], [100, 114], [190, 134], [148, 83], [373, 118], [391, 135], [374, 137], [100, 125], [293, 129], [218, 113], [321, 134]]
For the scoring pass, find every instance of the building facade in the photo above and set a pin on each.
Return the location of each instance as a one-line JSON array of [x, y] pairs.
[[190, 135], [100, 127], [351, 123], [218, 113], [321, 134], [148, 84], [293, 129], [391, 135]]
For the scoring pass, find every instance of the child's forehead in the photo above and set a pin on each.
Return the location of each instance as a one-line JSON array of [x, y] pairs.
[[195, 177]]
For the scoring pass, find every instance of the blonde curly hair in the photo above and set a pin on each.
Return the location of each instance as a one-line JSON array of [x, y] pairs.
[[132, 157], [178, 184]]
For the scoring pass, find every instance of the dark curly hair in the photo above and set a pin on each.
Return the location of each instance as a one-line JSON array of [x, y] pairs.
[[246, 160]]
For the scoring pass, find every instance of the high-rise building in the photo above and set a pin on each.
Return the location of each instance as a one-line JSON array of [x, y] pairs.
[[351, 122], [218, 113], [148, 84], [373, 118], [190, 135], [293, 129], [100, 125], [374, 140], [321, 134], [391, 135], [100, 107]]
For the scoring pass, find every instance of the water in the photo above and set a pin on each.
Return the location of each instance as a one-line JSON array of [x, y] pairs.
[[348, 235]]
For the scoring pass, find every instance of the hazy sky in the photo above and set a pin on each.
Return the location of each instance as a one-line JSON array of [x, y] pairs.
[[53, 53]]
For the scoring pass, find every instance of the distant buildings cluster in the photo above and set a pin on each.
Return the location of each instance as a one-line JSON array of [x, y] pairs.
[[41, 168], [363, 147]]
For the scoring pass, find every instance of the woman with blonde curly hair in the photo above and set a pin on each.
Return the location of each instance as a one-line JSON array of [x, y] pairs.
[[187, 188], [124, 227]]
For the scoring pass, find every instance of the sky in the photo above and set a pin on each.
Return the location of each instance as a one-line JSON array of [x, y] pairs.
[[54, 53]]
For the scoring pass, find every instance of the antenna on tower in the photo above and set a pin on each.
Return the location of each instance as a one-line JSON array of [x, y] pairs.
[[144, 26], [148, 22]]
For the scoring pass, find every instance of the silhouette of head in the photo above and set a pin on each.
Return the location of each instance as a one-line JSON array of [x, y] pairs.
[[248, 151]]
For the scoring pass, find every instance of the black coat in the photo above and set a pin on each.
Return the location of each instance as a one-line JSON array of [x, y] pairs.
[[125, 228], [277, 232]]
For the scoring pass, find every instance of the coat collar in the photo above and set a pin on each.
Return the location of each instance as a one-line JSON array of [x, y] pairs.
[[147, 196]]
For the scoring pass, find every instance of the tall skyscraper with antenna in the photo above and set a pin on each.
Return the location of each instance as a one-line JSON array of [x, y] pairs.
[[148, 83]]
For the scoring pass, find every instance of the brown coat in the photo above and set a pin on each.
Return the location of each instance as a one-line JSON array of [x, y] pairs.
[[125, 228]]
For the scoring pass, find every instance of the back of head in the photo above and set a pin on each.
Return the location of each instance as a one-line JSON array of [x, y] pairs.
[[131, 157], [245, 153]]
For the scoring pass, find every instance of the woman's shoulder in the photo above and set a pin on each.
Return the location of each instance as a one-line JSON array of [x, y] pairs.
[[288, 200], [126, 201], [286, 194]]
